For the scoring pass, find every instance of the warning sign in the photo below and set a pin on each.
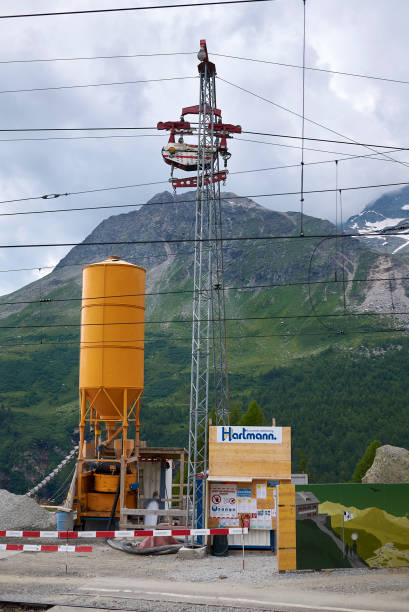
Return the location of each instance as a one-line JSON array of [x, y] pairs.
[[223, 500]]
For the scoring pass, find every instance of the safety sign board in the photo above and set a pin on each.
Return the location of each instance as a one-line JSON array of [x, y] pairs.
[[223, 500]]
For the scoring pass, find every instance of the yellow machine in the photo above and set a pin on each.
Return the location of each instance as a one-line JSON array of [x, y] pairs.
[[111, 386]]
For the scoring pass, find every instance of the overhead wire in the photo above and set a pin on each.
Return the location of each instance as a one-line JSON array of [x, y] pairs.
[[312, 121], [189, 321], [53, 300], [314, 69], [272, 134], [192, 240], [173, 203], [50, 196], [86, 85], [187, 339], [130, 8], [302, 128], [224, 55]]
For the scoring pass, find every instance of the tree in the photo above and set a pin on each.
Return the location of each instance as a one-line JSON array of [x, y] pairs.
[[235, 413], [302, 464], [253, 416], [366, 462]]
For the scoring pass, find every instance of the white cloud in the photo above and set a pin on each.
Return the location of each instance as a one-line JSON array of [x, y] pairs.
[[365, 37]]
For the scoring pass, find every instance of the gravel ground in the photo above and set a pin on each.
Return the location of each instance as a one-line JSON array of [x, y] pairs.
[[72, 578], [19, 512]]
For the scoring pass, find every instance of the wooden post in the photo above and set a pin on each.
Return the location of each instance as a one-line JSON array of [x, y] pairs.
[[274, 422]]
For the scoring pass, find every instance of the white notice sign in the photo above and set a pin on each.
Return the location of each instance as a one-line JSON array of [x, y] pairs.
[[223, 500], [250, 435]]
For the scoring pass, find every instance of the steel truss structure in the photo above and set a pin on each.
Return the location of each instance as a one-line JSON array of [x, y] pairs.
[[209, 347]]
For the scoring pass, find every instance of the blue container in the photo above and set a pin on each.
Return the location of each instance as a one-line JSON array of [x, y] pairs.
[[64, 521]]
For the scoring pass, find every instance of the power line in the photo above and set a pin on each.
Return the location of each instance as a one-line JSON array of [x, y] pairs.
[[95, 57], [184, 321], [314, 69], [110, 136], [51, 196], [173, 203], [49, 300], [192, 240], [274, 135], [132, 8], [187, 339], [85, 85], [224, 55], [316, 123]]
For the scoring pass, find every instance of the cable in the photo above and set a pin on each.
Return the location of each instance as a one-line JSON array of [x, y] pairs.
[[49, 300], [96, 57], [6, 91], [192, 240], [172, 203], [187, 339], [111, 136], [345, 142], [292, 112], [176, 53], [302, 129], [130, 128], [51, 196], [132, 8], [190, 321], [314, 69]]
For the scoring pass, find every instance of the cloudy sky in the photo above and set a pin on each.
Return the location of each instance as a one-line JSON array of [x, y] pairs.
[[365, 37]]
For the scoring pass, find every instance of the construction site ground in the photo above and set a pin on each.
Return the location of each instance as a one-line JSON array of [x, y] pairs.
[[114, 580]]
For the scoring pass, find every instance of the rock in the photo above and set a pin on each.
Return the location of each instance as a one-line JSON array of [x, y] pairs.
[[192, 553], [19, 512], [391, 465]]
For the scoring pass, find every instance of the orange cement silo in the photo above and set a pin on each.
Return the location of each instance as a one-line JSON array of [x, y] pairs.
[[111, 380], [112, 332]]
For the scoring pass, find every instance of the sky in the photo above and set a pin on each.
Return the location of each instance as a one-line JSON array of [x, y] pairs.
[[365, 37]]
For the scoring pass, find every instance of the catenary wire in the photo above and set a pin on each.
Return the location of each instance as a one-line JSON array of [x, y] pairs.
[[275, 135], [311, 68], [50, 300], [95, 57], [190, 321], [85, 85], [130, 8], [312, 121], [187, 339], [173, 203], [224, 55], [192, 240], [347, 157], [302, 126]]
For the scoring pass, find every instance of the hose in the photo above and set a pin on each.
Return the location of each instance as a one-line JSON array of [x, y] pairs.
[[133, 549], [111, 516]]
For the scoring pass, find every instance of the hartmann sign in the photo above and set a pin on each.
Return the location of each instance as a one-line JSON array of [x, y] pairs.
[[250, 435]]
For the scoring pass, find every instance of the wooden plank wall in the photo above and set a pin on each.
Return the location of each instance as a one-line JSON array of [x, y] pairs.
[[253, 460], [286, 546]]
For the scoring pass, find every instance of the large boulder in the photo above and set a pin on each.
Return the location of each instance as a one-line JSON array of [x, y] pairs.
[[391, 465]]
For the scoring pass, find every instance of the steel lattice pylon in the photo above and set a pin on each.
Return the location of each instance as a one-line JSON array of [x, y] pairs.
[[209, 349], [208, 328]]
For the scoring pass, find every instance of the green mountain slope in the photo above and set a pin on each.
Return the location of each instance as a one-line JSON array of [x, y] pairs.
[[336, 380]]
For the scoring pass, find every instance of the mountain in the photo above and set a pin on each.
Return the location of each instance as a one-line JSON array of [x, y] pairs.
[[388, 211], [307, 332]]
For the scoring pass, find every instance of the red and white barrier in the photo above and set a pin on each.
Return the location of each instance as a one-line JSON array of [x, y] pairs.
[[45, 548], [122, 534]]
